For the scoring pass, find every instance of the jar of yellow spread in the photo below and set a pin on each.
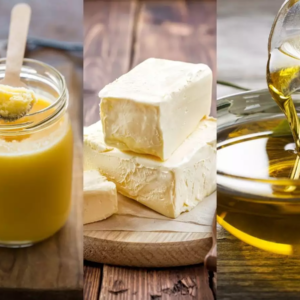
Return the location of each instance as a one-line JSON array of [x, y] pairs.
[[36, 154]]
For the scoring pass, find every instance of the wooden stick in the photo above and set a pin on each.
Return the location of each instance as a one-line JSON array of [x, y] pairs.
[[19, 24]]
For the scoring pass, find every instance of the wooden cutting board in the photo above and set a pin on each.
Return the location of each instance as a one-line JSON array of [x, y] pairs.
[[145, 249]]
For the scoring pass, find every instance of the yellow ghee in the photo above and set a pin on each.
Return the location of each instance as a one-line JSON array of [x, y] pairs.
[[15, 102], [35, 181]]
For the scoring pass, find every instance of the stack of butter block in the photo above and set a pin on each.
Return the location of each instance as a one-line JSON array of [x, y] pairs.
[[155, 142]]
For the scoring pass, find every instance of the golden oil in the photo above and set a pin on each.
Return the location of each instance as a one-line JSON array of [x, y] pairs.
[[283, 78], [255, 162], [259, 165]]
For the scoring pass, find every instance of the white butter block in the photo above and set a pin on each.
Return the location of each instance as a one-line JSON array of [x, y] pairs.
[[100, 197], [156, 106], [171, 187]]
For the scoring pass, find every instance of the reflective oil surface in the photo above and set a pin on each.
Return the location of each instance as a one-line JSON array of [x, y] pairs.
[[257, 201]]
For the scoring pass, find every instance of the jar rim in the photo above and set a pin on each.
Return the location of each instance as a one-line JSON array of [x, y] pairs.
[[58, 106]]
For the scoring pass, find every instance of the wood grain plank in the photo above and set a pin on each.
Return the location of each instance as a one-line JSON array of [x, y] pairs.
[[108, 35], [177, 30], [146, 249], [160, 284], [52, 269], [92, 278], [254, 271]]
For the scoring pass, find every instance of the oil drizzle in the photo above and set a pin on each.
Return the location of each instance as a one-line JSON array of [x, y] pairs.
[[283, 78]]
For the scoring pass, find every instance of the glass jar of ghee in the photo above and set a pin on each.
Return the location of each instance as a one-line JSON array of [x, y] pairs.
[[36, 155]]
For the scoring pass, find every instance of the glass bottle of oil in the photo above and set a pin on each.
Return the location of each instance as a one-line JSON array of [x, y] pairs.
[[283, 78]]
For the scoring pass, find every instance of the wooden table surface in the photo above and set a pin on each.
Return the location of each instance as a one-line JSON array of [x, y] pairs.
[[53, 269], [118, 36], [245, 272]]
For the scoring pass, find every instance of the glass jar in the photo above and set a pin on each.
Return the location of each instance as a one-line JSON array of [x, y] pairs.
[[258, 208], [36, 156]]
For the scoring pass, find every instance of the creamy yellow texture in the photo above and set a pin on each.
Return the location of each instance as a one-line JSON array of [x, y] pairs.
[[170, 187], [100, 197], [35, 182], [15, 102], [153, 108]]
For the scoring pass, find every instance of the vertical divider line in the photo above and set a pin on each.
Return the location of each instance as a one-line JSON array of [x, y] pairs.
[[212, 286], [101, 281]]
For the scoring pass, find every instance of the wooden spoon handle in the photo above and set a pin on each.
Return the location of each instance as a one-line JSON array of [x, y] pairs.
[[19, 24], [210, 260]]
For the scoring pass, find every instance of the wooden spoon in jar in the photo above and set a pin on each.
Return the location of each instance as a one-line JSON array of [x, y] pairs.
[[15, 98]]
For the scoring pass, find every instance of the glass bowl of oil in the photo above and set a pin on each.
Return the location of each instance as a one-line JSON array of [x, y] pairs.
[[258, 202]]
